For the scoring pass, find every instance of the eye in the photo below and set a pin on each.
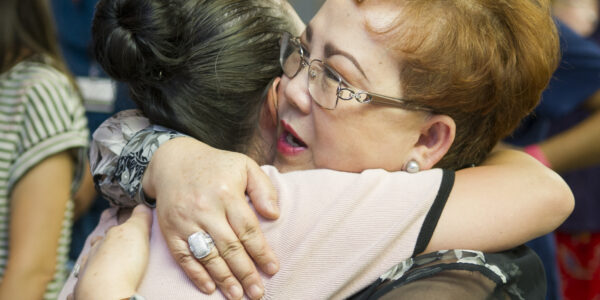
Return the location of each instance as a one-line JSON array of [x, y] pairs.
[[331, 75], [304, 50]]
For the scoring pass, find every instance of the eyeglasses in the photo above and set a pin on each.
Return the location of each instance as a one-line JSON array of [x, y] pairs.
[[325, 85]]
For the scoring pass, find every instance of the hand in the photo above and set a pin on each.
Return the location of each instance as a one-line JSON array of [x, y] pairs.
[[116, 263], [199, 188]]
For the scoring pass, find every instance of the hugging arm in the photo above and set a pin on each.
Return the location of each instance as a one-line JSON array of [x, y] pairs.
[[189, 205], [188, 186], [510, 199], [116, 262]]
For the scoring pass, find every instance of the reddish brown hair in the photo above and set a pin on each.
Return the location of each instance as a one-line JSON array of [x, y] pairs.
[[484, 63]]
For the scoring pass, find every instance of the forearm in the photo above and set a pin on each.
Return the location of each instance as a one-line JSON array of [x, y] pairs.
[[507, 201], [115, 290], [576, 148], [116, 263], [535, 191]]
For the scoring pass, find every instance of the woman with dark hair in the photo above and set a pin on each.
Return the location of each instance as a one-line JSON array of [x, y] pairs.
[[417, 137], [43, 133]]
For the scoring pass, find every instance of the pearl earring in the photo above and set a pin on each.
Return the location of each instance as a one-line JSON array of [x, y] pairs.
[[413, 167]]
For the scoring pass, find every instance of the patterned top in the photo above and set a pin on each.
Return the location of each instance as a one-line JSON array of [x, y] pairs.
[[121, 150], [40, 115], [515, 274]]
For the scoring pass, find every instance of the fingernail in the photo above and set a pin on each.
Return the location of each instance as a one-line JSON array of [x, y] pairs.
[[209, 287], [272, 208], [255, 292], [235, 292], [271, 268]]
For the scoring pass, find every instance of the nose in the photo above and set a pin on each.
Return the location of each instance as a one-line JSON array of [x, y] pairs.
[[297, 94]]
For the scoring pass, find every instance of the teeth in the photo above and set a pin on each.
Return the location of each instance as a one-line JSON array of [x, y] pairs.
[[291, 140]]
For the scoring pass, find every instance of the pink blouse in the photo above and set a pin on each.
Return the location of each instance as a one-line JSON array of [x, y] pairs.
[[338, 232]]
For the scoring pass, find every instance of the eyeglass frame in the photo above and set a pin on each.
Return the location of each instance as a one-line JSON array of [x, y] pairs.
[[370, 97]]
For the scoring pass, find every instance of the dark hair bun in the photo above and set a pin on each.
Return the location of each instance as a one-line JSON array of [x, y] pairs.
[[131, 38], [200, 67]]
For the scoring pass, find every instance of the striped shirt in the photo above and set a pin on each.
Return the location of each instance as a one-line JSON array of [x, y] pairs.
[[40, 115]]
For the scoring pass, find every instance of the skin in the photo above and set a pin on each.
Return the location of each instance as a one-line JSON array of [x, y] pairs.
[[125, 248], [39, 201], [345, 138], [210, 198], [84, 197], [349, 138], [576, 148], [579, 15]]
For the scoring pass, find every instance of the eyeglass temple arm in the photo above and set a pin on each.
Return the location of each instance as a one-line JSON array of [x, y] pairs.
[[409, 105]]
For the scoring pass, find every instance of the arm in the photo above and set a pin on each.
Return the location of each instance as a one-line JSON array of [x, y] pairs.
[[38, 204], [577, 147], [85, 195], [493, 191], [182, 158], [115, 265], [508, 201], [190, 208], [47, 166]]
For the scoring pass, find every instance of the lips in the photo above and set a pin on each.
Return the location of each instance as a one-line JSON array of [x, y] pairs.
[[289, 143]]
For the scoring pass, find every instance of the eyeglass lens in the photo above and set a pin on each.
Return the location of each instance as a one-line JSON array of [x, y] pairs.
[[322, 82]]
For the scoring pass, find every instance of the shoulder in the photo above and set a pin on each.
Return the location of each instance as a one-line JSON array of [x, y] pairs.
[[380, 176], [38, 80], [31, 72]]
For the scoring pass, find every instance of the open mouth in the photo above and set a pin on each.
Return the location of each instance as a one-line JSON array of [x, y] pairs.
[[293, 140], [289, 143]]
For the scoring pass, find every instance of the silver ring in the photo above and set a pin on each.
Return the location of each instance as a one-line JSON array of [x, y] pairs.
[[201, 244]]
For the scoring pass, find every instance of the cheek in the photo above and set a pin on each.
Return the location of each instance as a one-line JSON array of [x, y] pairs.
[[378, 139], [282, 92], [334, 141]]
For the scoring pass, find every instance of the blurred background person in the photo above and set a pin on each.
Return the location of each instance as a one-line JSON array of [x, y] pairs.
[[564, 133], [101, 98], [43, 141]]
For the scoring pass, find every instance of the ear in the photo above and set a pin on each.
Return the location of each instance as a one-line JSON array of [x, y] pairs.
[[268, 118], [437, 135]]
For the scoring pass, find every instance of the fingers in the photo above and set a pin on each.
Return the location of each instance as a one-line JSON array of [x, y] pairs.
[[233, 252], [191, 266], [228, 262], [261, 191], [217, 268], [141, 218], [247, 229], [221, 274], [215, 203]]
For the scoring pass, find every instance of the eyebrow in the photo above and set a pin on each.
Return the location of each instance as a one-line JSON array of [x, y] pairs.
[[331, 50]]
